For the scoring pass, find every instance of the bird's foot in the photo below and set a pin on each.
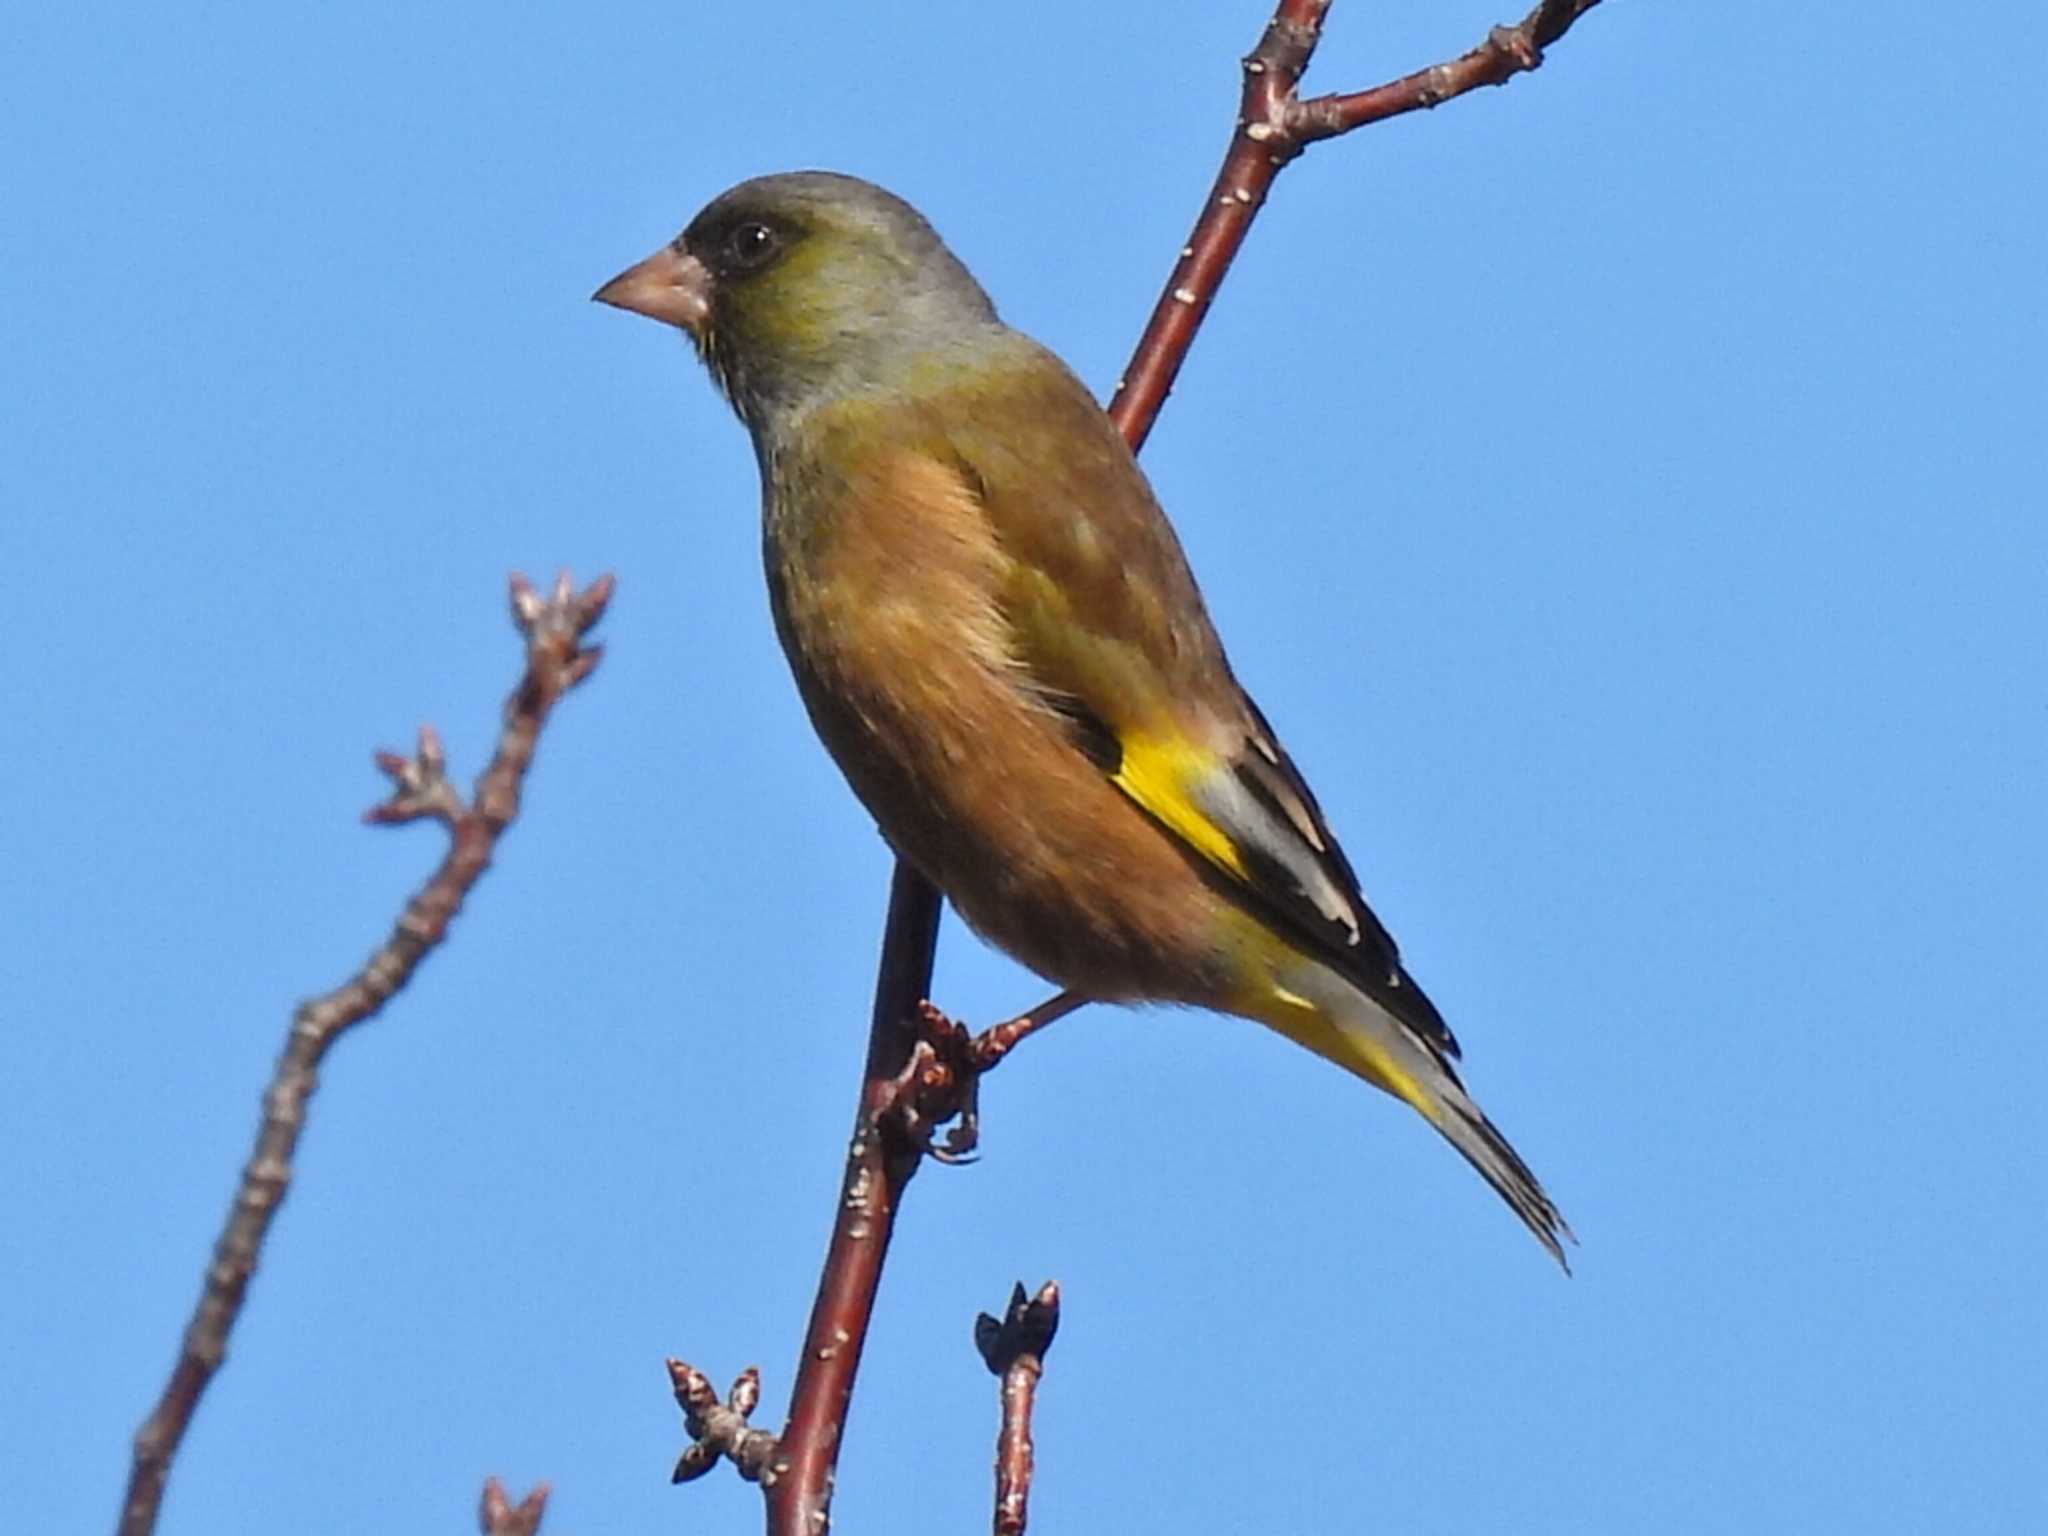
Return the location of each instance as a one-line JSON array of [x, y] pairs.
[[941, 1080]]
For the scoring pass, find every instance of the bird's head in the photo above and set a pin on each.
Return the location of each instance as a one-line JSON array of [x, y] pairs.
[[803, 286]]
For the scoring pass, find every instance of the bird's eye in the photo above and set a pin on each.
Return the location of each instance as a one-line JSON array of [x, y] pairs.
[[751, 247]]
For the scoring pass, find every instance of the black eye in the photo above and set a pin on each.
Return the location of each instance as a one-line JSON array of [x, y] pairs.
[[751, 247]]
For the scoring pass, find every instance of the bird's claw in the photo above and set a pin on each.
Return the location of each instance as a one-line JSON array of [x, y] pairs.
[[940, 1081], [964, 1135]]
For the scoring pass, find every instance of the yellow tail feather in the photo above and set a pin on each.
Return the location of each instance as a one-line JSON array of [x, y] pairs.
[[1315, 1007]]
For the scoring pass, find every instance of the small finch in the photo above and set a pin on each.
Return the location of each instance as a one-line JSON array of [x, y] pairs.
[[999, 641]]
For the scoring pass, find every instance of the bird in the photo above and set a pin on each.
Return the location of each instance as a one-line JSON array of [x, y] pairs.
[[997, 637]]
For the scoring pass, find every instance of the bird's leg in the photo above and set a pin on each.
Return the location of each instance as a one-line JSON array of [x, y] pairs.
[[923, 1078], [986, 1050], [996, 1042], [942, 1079]]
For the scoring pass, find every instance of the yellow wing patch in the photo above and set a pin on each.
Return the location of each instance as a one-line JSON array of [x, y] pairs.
[[1155, 772]]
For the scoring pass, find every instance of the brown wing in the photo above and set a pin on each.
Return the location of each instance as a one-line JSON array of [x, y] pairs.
[[1112, 631]]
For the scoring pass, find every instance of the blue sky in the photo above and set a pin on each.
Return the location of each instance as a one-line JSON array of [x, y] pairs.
[[1622, 491]]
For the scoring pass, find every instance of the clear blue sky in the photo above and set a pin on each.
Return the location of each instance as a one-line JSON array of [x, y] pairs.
[[1623, 491]]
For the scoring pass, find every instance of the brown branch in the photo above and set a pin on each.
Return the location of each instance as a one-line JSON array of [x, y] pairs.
[[556, 661], [879, 1166], [1014, 1349], [1507, 52], [922, 1070], [498, 1516], [1273, 126]]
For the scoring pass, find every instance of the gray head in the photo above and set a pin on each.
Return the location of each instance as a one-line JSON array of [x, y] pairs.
[[804, 285]]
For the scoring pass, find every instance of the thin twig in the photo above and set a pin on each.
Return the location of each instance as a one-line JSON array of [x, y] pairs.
[[556, 661], [879, 1165], [1507, 52], [1014, 1349], [1273, 126]]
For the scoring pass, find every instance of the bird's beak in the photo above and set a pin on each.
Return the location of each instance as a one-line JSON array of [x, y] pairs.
[[668, 286]]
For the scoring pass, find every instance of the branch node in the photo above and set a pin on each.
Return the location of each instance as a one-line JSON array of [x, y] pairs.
[[720, 1431], [1519, 47], [419, 785]]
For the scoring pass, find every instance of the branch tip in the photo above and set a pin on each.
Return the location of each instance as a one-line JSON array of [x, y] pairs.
[[420, 786], [1027, 1328], [564, 610], [1014, 1351], [498, 1516], [719, 1430]]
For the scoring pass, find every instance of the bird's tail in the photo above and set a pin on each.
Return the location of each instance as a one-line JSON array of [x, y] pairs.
[[1313, 1005]]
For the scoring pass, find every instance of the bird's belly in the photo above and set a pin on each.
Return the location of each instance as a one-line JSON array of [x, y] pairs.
[[1034, 847]]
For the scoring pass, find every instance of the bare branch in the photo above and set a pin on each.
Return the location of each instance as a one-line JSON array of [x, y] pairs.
[[1507, 52], [1273, 126], [879, 1165], [921, 1070], [556, 661]]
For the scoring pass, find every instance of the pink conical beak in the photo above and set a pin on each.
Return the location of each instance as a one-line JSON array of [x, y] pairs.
[[668, 286]]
